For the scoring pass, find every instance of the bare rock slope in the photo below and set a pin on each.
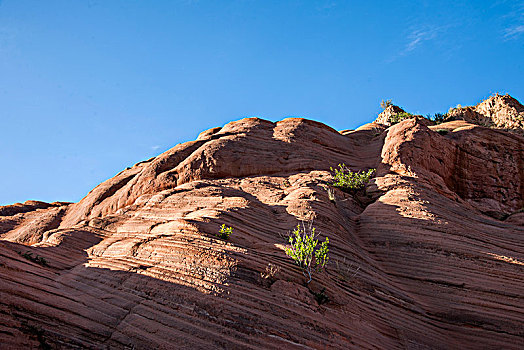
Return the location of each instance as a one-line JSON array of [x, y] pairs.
[[430, 256]]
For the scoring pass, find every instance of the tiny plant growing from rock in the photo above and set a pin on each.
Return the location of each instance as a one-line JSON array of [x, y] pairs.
[[331, 194], [347, 180], [224, 232], [36, 259], [438, 118], [271, 272], [345, 271], [386, 103], [397, 118], [305, 250]]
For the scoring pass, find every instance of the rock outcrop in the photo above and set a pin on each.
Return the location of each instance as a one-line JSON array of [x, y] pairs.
[[429, 256], [500, 111], [384, 118]]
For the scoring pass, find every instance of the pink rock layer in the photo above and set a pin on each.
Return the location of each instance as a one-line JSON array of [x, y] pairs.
[[429, 255]]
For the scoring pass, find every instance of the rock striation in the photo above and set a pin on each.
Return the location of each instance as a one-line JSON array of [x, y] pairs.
[[429, 256]]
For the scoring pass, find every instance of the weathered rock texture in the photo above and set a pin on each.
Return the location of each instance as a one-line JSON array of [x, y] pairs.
[[501, 111], [385, 116], [429, 256]]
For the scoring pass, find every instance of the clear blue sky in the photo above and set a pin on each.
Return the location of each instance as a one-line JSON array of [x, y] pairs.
[[91, 87]]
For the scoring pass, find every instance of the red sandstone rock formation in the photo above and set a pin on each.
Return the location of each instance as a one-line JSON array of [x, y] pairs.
[[385, 116], [501, 111], [430, 256]]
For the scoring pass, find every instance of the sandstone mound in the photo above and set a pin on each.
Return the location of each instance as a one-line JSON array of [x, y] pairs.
[[384, 118], [429, 256], [501, 111]]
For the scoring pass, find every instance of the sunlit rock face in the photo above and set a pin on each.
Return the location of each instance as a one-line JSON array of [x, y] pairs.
[[500, 111], [385, 116], [429, 255]]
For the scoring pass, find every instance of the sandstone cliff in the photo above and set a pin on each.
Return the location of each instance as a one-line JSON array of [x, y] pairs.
[[430, 256]]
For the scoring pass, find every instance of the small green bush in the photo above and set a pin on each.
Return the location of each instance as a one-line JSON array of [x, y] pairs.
[[442, 131], [224, 232], [397, 118], [304, 251], [347, 180], [36, 259]]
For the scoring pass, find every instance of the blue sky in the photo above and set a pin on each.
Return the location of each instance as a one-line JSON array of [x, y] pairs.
[[88, 88]]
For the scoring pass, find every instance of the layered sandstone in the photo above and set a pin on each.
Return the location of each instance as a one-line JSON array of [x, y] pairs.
[[429, 256]]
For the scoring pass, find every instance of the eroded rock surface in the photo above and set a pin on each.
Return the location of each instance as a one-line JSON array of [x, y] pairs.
[[429, 256], [501, 111], [384, 118]]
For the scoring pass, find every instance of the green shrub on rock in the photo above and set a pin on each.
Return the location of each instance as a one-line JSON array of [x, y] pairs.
[[306, 252], [397, 118], [347, 180], [225, 232]]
